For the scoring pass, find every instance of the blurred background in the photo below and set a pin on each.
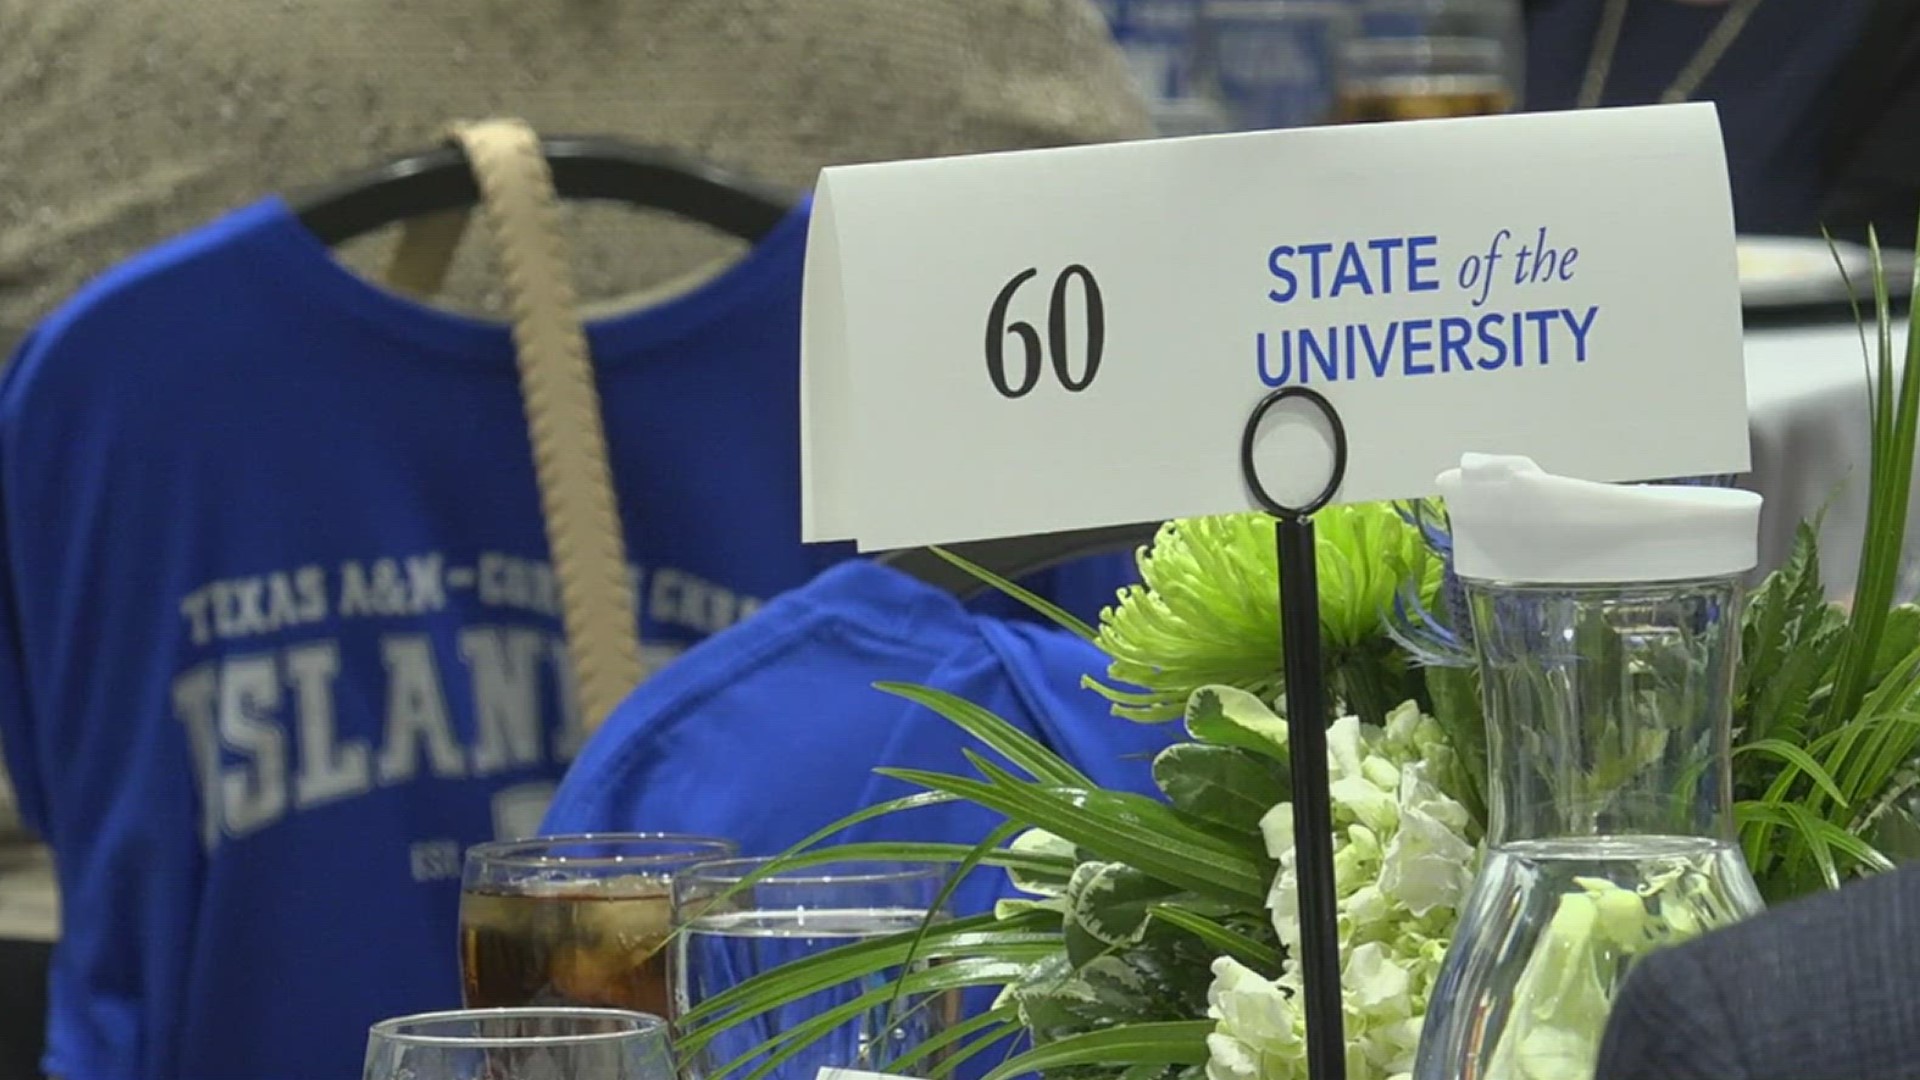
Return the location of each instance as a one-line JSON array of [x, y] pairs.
[[129, 122], [1245, 65]]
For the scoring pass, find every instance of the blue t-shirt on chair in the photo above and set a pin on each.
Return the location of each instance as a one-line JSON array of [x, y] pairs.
[[772, 730], [278, 637]]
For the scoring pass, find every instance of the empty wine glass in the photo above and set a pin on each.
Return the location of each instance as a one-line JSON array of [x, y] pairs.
[[520, 1044], [730, 933]]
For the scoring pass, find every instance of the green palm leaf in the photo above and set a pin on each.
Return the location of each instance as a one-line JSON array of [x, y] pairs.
[[1822, 837], [913, 851], [1117, 827], [1012, 743], [966, 866], [1891, 482], [1181, 1042], [953, 1061], [1053, 612], [937, 979], [1001, 1016], [1795, 759], [1035, 934]]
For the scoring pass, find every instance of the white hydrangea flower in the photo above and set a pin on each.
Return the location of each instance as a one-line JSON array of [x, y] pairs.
[[1375, 807], [1428, 864], [1403, 862], [1380, 987], [1260, 1034], [1344, 751]]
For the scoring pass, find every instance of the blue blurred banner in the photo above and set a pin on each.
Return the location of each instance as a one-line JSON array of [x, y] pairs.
[[1211, 65], [1216, 65], [1270, 64], [1157, 36]]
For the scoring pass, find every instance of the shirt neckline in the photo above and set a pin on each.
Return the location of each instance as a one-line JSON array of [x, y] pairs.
[[769, 266]]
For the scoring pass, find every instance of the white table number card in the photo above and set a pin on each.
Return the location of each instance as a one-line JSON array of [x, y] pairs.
[[1061, 339]]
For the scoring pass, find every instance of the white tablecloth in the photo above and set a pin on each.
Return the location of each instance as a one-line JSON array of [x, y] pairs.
[[1807, 405]]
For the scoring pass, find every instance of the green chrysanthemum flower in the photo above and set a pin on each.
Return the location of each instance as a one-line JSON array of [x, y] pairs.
[[1208, 612]]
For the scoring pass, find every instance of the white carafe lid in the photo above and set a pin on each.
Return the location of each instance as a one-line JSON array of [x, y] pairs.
[[1514, 522]]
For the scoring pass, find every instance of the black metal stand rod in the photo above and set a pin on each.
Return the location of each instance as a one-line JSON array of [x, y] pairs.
[[1312, 814]]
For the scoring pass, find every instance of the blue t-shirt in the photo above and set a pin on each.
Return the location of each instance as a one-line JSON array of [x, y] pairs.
[[277, 634], [772, 730]]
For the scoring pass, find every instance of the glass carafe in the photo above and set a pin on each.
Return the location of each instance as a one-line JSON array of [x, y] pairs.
[[1608, 705]]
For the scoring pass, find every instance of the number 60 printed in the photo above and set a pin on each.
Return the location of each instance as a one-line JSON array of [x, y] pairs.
[[1058, 345]]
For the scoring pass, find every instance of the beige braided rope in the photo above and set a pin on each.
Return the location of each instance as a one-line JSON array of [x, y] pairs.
[[563, 414]]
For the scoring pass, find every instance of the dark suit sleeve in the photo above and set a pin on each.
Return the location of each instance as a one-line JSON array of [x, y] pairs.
[[1824, 988], [1670, 1022], [1873, 150]]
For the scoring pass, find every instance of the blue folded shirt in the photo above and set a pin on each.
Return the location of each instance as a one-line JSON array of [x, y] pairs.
[[772, 729]]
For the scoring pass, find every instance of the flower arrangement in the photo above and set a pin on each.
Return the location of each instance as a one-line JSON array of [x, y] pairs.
[[1153, 939], [1403, 860]]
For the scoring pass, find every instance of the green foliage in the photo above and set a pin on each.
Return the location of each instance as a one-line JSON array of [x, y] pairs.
[[1224, 785], [1827, 702], [1896, 409], [1207, 613], [1226, 716], [1118, 826], [1181, 1042], [1107, 967], [1454, 696], [1060, 616]]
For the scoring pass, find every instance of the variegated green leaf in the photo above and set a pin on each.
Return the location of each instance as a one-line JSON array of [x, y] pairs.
[[1258, 955], [1228, 716], [1007, 908], [1041, 844], [1111, 901], [1120, 988], [1225, 785], [1051, 997]]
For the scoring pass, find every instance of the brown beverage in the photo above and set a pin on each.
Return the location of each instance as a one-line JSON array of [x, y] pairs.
[[583, 943], [1421, 98]]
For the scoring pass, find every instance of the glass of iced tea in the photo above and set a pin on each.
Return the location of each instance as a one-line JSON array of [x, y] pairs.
[[574, 920], [1421, 78]]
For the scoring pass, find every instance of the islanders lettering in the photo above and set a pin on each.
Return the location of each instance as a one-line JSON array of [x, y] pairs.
[[1484, 335], [308, 686]]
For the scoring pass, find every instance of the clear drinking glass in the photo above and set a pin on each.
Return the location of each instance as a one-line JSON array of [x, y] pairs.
[[1609, 833], [573, 920], [520, 1044], [726, 939], [1429, 59]]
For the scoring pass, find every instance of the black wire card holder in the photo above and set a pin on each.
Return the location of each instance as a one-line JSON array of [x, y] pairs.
[[1307, 732]]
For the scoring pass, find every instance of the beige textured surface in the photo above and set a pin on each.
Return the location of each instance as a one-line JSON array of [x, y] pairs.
[[29, 896], [123, 122], [563, 413]]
